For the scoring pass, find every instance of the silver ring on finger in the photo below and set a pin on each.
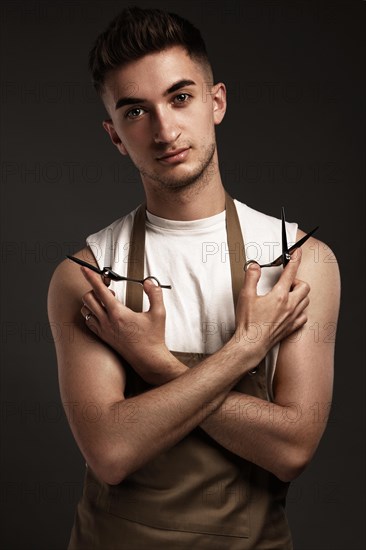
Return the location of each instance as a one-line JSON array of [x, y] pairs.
[[88, 316]]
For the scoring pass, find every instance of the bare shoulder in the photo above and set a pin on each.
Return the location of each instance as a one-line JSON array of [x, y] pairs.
[[67, 276], [319, 268], [66, 288], [64, 302]]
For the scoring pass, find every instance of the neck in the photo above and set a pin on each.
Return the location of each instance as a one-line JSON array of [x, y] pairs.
[[188, 206], [202, 199]]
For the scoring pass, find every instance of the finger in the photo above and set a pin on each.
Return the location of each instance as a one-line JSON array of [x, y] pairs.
[[93, 324], [300, 288], [252, 276], [101, 291], [93, 304], [85, 311], [91, 320], [288, 275], [301, 307], [155, 295]]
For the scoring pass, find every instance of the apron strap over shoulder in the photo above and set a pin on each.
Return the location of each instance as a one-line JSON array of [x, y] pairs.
[[136, 257], [236, 248]]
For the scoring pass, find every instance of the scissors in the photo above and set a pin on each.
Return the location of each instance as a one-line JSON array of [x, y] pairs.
[[107, 274], [285, 257]]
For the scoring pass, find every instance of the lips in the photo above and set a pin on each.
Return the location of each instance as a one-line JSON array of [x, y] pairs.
[[177, 155]]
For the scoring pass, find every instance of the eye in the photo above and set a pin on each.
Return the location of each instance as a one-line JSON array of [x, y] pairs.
[[134, 113], [182, 98]]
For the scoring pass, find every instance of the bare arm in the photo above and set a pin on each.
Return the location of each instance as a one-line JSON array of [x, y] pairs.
[[283, 436], [92, 377]]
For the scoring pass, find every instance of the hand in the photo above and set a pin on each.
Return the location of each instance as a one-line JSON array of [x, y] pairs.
[[138, 337], [263, 321]]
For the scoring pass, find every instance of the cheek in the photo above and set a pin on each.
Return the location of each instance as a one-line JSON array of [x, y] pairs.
[[195, 124], [203, 115], [206, 126], [135, 138]]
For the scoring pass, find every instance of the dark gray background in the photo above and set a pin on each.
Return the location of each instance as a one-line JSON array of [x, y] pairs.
[[293, 135]]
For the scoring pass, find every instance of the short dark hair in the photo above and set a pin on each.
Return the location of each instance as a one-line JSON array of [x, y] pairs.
[[136, 32]]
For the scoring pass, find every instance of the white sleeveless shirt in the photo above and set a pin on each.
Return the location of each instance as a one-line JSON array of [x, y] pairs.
[[193, 257]]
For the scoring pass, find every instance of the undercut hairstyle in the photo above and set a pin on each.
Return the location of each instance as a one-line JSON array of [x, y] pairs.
[[136, 32]]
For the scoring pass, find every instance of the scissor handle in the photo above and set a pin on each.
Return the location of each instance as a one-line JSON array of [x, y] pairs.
[[109, 275], [286, 257], [247, 264], [157, 281]]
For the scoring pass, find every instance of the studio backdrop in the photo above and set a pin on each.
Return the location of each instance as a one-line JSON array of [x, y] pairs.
[[293, 135]]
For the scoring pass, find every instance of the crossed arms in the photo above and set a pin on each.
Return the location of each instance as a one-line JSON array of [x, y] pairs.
[[117, 435]]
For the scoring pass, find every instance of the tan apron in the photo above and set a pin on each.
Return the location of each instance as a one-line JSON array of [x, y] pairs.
[[196, 495]]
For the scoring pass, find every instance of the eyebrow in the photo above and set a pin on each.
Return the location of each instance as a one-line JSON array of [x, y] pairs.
[[122, 101]]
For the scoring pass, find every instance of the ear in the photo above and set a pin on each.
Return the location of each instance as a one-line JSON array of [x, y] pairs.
[[108, 126], [218, 95]]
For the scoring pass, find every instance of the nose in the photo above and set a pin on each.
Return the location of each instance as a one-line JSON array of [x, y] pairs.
[[165, 127]]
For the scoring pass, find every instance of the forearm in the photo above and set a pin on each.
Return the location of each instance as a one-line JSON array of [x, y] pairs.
[[265, 433], [137, 429]]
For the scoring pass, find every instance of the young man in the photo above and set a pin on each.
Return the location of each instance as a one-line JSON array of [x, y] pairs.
[[193, 406]]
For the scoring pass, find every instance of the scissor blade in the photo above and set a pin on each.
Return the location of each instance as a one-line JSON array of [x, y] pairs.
[[114, 276], [303, 239], [285, 252], [85, 264], [108, 256], [279, 261]]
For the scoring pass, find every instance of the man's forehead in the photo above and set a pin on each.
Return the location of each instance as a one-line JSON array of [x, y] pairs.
[[153, 74]]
